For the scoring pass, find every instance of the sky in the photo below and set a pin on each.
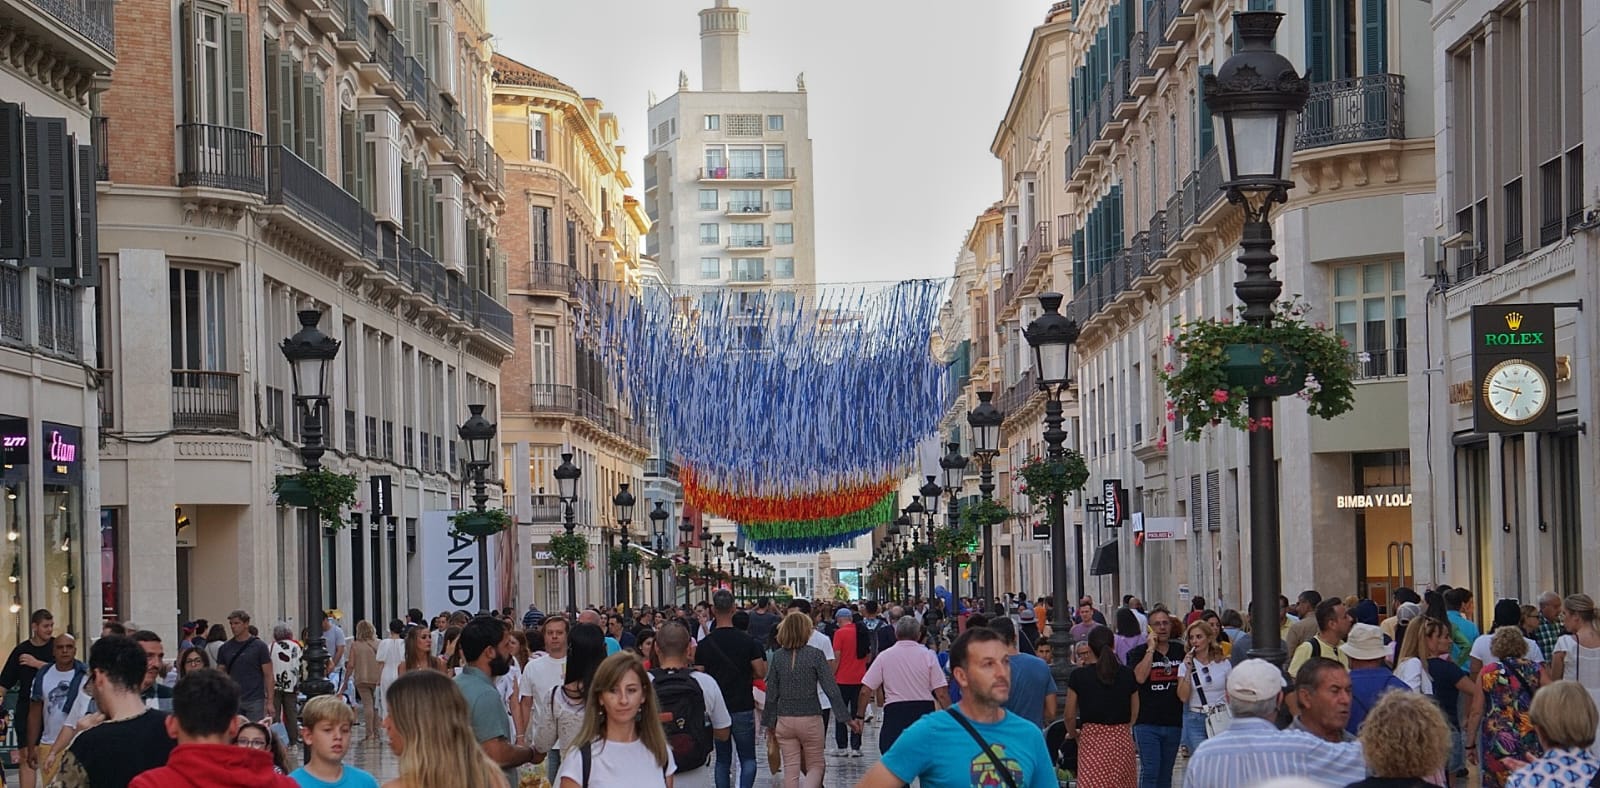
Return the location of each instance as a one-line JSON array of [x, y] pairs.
[[905, 97]]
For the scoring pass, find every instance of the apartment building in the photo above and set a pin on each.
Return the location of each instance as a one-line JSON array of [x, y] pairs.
[[51, 153], [1153, 244], [1506, 513], [267, 157], [569, 222]]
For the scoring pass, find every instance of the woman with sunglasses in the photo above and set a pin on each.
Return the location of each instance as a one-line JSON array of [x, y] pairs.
[[1202, 681]]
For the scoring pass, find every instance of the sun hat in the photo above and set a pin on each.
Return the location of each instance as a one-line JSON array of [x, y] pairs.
[[1365, 642]]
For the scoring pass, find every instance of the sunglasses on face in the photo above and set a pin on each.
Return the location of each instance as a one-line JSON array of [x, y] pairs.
[[254, 744]]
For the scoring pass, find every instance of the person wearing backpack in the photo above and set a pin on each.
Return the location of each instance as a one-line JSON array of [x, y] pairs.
[[693, 712]]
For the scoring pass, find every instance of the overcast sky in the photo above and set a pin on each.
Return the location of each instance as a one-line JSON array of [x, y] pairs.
[[905, 98]]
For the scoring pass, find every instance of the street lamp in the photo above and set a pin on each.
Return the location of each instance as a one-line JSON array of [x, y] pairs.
[[1256, 97], [985, 421], [658, 527], [914, 513], [685, 537], [623, 503], [954, 465], [478, 433], [705, 558], [1051, 337], [309, 353], [567, 476], [930, 494]]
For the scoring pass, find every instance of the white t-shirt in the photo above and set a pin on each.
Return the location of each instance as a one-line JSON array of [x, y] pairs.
[[541, 674], [56, 712], [1415, 674], [717, 714], [821, 643], [1581, 664], [616, 764], [1480, 651], [1213, 679]]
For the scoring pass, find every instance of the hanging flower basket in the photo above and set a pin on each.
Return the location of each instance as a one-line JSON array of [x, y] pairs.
[[623, 557], [686, 570], [1043, 477], [568, 548], [954, 541], [1222, 362], [329, 492], [984, 513], [475, 523], [660, 563]]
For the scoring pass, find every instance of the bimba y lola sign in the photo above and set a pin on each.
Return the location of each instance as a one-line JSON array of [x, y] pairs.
[[1514, 368]]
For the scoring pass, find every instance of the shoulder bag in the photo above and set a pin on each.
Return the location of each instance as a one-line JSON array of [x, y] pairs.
[[1218, 716], [1005, 774]]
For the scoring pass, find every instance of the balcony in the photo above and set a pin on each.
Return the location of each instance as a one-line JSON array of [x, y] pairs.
[[13, 326], [550, 277], [748, 209], [1359, 109], [754, 175], [205, 400], [220, 157], [99, 137], [78, 33], [329, 16], [547, 509], [552, 398], [355, 39], [756, 274], [490, 315], [750, 244], [1013, 398], [293, 183], [1158, 18], [1381, 363], [659, 468], [1035, 256]]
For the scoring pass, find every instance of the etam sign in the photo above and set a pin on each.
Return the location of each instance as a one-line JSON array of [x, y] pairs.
[[449, 566]]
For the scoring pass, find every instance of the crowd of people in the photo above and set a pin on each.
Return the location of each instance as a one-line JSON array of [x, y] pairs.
[[686, 696]]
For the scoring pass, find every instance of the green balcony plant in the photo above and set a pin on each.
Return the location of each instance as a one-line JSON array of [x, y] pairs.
[[331, 493], [475, 523]]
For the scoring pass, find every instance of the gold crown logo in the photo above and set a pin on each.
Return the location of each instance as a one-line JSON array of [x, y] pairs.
[[1514, 321]]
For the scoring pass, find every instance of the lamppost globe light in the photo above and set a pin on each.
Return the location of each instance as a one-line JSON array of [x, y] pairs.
[[623, 502], [915, 507], [309, 352], [658, 518], [1255, 98], [567, 476], [477, 433], [985, 421], [952, 464], [1051, 336], [930, 494]]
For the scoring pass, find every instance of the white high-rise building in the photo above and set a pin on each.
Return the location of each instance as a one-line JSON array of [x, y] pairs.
[[728, 177]]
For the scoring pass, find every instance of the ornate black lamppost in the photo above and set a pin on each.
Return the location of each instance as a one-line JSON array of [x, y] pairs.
[[310, 352], [1256, 97], [930, 496], [913, 516], [567, 476], [658, 527], [685, 537], [953, 464], [478, 433], [623, 502], [985, 421], [1051, 337], [705, 559]]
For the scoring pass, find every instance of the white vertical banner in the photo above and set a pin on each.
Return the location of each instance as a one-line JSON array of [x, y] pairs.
[[449, 566]]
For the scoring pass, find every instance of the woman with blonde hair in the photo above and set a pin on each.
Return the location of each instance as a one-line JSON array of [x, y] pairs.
[[1565, 718], [1202, 681], [793, 714], [1508, 740], [366, 672], [1405, 741], [1578, 651], [621, 743], [431, 732]]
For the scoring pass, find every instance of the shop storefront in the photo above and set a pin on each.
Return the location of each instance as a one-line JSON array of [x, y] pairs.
[[42, 514], [1381, 507]]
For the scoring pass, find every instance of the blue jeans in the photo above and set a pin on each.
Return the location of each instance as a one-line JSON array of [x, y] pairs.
[[1194, 728], [744, 737], [1158, 751]]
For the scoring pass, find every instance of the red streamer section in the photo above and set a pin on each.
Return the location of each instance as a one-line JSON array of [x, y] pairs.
[[749, 509]]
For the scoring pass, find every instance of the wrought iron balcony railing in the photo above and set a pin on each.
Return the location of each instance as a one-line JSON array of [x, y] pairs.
[[1358, 109]]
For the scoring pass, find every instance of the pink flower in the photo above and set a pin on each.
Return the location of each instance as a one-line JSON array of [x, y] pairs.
[[1171, 416], [1270, 380], [1168, 368], [1227, 321], [1169, 340], [1219, 396], [1344, 343]]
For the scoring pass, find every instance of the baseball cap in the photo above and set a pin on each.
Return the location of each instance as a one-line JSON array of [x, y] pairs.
[[1408, 612], [843, 612], [1255, 680], [1025, 615], [1365, 642]]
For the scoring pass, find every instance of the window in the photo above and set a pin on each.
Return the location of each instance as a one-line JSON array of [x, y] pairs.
[[1339, 45], [783, 233], [783, 199], [710, 268], [713, 123], [776, 168], [783, 302], [744, 163], [544, 356], [716, 163], [783, 268], [1369, 309], [708, 199], [217, 84], [709, 234], [745, 201], [294, 105], [744, 125], [198, 303], [536, 136], [747, 235], [748, 269], [774, 123], [539, 234]]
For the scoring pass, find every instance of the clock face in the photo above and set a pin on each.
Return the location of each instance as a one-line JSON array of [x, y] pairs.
[[1516, 391]]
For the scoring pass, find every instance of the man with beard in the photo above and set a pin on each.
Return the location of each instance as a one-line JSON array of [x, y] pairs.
[[486, 645], [969, 743]]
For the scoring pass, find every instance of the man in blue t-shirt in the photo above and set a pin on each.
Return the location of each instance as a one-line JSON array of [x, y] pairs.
[[940, 751], [1033, 689]]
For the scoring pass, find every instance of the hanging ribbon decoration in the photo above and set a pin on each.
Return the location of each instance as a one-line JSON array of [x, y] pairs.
[[751, 509]]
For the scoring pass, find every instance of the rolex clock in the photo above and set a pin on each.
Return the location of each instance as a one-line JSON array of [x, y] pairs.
[[1516, 391]]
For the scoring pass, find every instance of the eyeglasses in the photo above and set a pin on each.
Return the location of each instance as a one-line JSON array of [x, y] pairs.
[[254, 744], [195, 661]]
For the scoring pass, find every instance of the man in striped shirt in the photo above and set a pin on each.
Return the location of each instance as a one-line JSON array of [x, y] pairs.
[[1253, 750]]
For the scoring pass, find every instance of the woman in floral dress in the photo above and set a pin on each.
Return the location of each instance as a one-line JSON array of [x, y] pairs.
[[1508, 741]]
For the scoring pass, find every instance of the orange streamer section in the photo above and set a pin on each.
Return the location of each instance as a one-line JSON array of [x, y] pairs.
[[749, 509]]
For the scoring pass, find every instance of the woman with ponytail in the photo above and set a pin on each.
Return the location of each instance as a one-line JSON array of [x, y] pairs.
[[1577, 654], [1102, 703]]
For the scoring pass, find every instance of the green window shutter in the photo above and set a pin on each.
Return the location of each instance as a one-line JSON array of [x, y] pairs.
[[349, 154], [1117, 44], [238, 57], [274, 100], [189, 45], [288, 109], [1079, 272], [1374, 37], [13, 186], [1319, 66], [1263, 5], [48, 172], [1203, 122], [1116, 217], [311, 120], [88, 230]]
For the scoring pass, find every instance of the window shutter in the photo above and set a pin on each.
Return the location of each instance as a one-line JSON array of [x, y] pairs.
[[1213, 501], [286, 99], [49, 193], [13, 184], [189, 35], [311, 132], [1196, 503], [1117, 33], [88, 229], [1263, 5], [1203, 121], [238, 55], [1318, 66], [1374, 37], [349, 154]]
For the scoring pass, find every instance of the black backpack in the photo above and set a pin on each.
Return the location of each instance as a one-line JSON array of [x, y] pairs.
[[683, 716]]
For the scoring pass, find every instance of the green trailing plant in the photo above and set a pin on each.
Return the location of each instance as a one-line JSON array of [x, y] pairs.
[[1222, 362], [984, 512], [660, 563], [624, 557], [954, 541], [569, 548], [472, 522], [329, 492], [1043, 477], [923, 553], [685, 569]]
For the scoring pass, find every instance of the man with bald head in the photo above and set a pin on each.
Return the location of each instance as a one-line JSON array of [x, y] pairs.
[[58, 700]]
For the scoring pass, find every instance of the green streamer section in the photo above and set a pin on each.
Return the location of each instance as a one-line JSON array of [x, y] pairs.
[[881, 512]]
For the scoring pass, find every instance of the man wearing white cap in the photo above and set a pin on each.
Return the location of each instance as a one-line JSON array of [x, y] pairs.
[[1253, 750]]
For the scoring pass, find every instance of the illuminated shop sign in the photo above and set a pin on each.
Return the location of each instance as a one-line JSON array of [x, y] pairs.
[[1381, 501]]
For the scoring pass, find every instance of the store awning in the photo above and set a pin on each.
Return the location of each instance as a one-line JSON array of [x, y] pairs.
[[1105, 559]]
